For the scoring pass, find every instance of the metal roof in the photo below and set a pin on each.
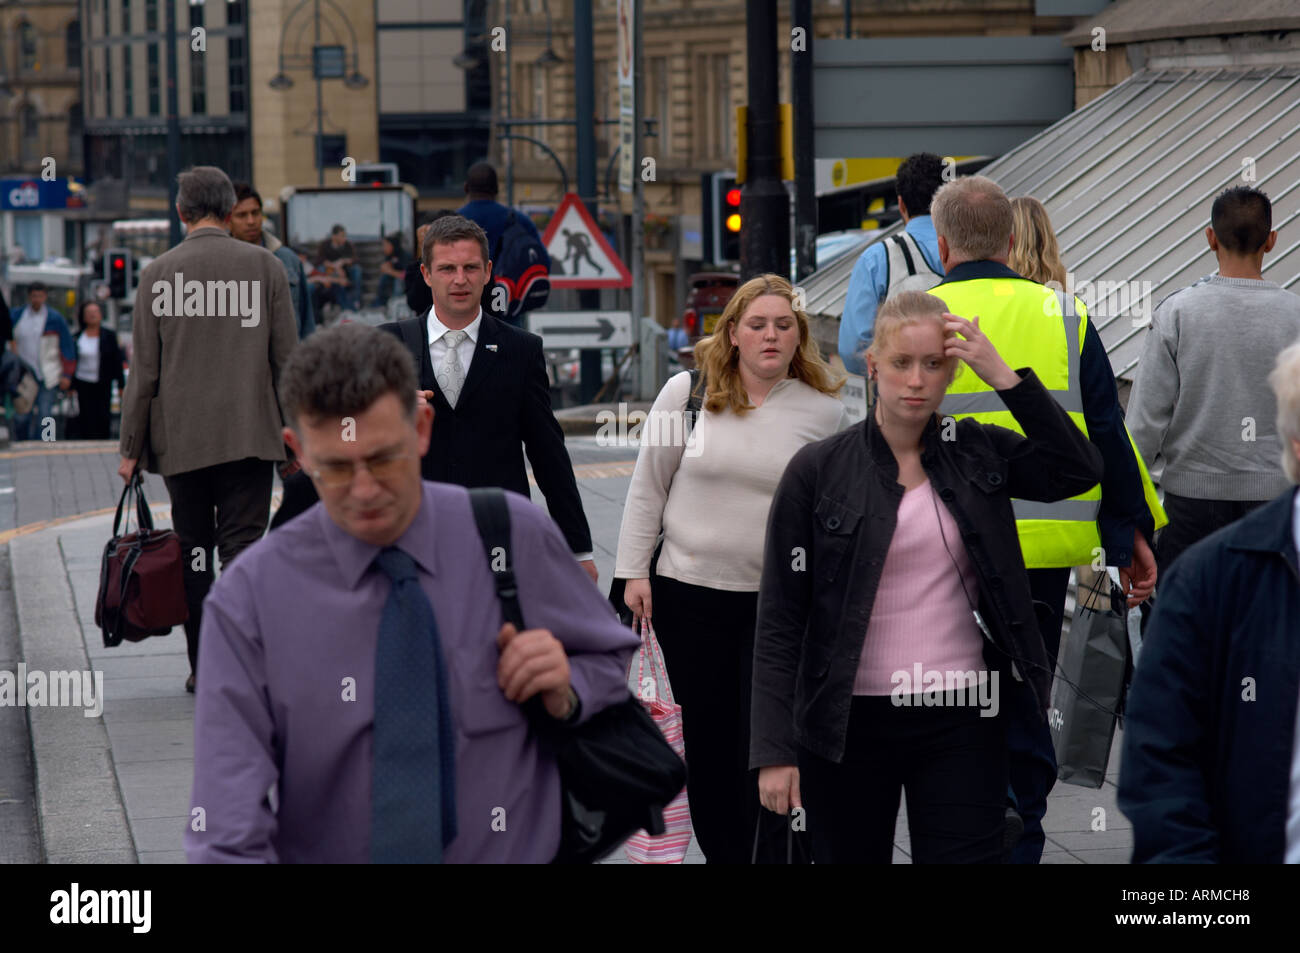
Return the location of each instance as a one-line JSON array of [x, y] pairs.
[[1128, 181], [1135, 21]]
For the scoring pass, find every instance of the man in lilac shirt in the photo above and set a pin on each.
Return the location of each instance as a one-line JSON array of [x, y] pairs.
[[284, 722]]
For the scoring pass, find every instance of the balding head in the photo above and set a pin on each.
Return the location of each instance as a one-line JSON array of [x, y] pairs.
[[972, 216]]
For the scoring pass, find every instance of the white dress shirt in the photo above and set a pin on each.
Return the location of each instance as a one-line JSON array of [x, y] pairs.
[[438, 354], [1293, 809], [438, 347]]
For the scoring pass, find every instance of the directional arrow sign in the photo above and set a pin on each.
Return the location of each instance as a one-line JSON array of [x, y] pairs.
[[561, 330]]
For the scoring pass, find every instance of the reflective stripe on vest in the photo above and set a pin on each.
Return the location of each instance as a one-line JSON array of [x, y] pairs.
[[1052, 535]]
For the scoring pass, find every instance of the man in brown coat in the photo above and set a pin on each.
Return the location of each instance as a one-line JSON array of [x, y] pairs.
[[213, 325]]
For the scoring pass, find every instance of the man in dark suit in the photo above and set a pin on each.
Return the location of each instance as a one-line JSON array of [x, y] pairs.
[[487, 383]]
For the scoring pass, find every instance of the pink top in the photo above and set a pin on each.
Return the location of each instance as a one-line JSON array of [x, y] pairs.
[[921, 616]]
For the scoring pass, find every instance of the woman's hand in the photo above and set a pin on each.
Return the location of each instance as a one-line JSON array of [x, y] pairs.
[[636, 593], [778, 788], [970, 344]]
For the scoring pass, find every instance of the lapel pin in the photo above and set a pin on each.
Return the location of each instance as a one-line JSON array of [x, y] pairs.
[[490, 347]]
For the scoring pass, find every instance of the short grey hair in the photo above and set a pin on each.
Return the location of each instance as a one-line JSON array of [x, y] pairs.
[[341, 371], [973, 215], [1285, 381], [449, 229], [204, 192]]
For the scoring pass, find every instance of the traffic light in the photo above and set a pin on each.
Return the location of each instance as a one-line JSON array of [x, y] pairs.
[[722, 217], [117, 272]]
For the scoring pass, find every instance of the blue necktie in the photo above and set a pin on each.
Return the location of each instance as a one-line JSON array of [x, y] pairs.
[[413, 801]]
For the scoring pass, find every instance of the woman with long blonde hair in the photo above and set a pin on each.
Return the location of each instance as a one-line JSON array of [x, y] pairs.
[[766, 392], [1035, 253]]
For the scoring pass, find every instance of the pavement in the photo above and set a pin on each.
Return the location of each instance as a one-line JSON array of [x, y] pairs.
[[115, 788]]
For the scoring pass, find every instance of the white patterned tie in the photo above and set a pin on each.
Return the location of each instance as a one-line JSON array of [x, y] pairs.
[[451, 373]]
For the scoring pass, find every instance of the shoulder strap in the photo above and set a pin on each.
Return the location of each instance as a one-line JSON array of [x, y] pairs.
[[907, 253], [492, 517], [694, 399], [510, 222]]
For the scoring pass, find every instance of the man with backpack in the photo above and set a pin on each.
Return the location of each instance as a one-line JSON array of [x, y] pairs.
[[908, 261], [520, 263]]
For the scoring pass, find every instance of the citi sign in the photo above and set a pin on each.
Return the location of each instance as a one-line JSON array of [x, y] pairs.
[[27, 195]]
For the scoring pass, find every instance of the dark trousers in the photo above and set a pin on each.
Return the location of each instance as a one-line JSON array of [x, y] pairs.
[[225, 506], [707, 637], [1032, 757], [952, 763], [1190, 521], [93, 400]]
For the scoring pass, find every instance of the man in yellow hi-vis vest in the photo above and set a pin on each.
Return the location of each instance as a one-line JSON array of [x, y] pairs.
[[1033, 326]]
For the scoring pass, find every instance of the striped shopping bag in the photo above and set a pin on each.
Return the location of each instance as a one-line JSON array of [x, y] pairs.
[[657, 695]]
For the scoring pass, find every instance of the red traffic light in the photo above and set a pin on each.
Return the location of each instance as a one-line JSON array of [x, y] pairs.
[[118, 262], [733, 197]]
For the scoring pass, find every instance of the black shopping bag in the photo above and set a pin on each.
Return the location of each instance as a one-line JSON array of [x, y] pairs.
[[1089, 684]]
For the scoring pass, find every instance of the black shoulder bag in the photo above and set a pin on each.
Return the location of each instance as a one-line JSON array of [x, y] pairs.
[[617, 772]]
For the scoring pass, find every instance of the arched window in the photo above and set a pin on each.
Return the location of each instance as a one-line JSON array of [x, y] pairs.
[[72, 44], [27, 46], [74, 125]]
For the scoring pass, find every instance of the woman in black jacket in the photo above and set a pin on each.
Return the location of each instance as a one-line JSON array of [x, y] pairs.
[[99, 363], [894, 613]]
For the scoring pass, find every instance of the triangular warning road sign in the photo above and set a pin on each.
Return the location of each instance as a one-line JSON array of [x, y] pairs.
[[580, 256]]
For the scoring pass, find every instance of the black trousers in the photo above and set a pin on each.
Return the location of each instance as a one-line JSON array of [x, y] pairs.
[[226, 507], [1190, 521], [951, 761], [93, 399], [707, 637]]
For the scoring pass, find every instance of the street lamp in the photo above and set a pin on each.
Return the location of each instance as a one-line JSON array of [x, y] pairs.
[[325, 60]]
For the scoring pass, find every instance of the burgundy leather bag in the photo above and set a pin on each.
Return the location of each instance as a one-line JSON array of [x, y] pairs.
[[141, 577]]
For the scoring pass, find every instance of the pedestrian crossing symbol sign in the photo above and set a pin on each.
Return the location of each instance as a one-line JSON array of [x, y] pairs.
[[580, 255]]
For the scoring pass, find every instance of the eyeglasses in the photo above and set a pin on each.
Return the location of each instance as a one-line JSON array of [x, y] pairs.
[[335, 475]]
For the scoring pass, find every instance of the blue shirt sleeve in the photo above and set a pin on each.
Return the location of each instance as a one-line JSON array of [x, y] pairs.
[[866, 287]]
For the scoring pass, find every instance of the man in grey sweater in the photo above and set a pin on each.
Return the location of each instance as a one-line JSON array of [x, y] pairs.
[[1201, 401]]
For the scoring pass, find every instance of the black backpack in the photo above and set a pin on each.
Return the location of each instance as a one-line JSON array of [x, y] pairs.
[[617, 773], [521, 272]]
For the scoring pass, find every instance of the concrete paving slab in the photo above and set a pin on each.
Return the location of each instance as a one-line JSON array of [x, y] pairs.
[[94, 857], [154, 834], [81, 832], [163, 857]]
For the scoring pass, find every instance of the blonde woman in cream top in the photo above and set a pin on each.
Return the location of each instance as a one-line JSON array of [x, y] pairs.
[[767, 392]]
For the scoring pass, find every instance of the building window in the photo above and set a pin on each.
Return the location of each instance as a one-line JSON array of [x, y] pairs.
[[198, 83], [234, 11], [713, 112], [75, 126], [236, 82], [151, 16], [27, 47], [108, 81], [152, 66], [196, 13], [72, 44], [30, 128], [128, 84], [656, 101]]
